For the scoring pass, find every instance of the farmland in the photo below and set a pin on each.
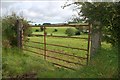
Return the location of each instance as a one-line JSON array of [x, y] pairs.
[[34, 65], [68, 42], [28, 63]]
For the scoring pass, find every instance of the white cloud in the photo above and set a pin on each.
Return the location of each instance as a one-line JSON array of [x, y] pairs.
[[40, 11]]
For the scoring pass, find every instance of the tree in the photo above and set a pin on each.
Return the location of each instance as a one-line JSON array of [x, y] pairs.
[[39, 24], [102, 16], [9, 29], [46, 23], [35, 24]]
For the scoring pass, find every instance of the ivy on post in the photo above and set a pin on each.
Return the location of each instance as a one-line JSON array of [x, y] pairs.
[[19, 33]]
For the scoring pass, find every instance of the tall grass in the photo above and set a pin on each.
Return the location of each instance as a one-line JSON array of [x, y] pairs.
[[16, 63], [103, 65]]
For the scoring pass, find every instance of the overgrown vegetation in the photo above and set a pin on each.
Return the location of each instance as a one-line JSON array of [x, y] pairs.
[[103, 65], [9, 29], [16, 63], [105, 18]]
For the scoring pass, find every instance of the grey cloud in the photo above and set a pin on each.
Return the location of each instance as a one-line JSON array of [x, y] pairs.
[[44, 11], [7, 4]]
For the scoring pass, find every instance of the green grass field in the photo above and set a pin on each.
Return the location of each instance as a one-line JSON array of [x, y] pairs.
[[103, 65], [16, 63], [50, 30], [69, 42]]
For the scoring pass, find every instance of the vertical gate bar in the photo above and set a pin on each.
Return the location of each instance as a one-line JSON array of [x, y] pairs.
[[44, 43], [88, 47]]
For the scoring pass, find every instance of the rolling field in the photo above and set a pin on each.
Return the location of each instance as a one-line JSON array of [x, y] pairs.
[[60, 31], [27, 64], [68, 42]]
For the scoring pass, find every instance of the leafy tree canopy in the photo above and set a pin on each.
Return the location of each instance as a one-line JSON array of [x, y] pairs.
[[104, 16]]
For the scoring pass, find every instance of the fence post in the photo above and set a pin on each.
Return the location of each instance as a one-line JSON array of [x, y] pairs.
[[22, 38], [19, 34], [45, 43], [89, 41], [95, 39]]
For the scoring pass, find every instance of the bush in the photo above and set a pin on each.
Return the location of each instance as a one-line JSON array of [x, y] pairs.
[[108, 39], [55, 30], [37, 30], [9, 29], [77, 33], [29, 31], [46, 23], [70, 32]]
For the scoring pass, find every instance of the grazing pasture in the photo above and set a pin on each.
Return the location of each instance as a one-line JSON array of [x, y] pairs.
[[103, 65], [68, 42]]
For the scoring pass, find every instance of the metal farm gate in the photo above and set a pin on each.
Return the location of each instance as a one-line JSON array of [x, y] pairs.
[[87, 50]]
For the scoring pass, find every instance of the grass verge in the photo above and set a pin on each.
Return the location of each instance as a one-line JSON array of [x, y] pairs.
[[103, 65]]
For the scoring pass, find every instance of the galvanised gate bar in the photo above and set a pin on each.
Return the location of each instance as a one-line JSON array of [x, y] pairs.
[[57, 52]]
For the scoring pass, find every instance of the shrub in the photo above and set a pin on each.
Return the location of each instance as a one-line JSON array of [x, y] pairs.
[[37, 30], [46, 23], [9, 29], [55, 30], [77, 33], [108, 39], [29, 31], [70, 32]]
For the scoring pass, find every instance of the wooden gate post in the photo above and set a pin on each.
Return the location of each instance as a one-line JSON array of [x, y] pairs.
[[19, 33], [45, 43], [89, 42]]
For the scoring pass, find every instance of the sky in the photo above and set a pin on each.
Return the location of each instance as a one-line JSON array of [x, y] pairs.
[[40, 12]]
